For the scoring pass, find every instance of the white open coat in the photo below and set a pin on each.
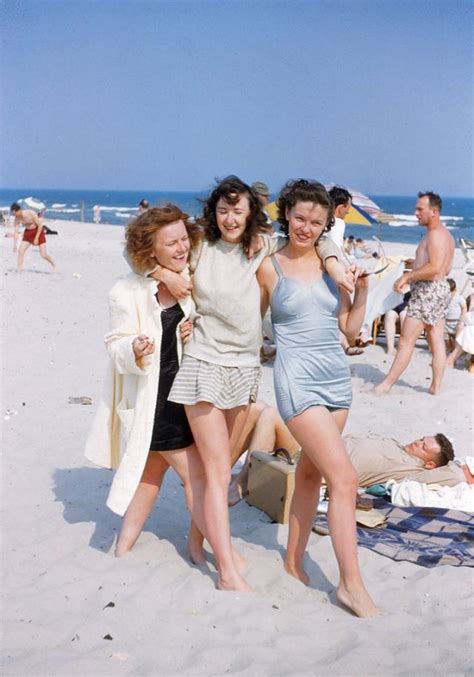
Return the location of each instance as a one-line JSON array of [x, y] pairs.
[[123, 425]]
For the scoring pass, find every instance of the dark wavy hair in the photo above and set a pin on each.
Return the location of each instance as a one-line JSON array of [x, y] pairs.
[[303, 190], [231, 190], [140, 233]]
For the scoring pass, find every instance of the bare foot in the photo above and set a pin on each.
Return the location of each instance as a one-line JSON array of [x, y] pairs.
[[358, 601], [122, 549], [239, 561], [233, 582], [297, 571], [196, 554], [434, 391], [381, 389]]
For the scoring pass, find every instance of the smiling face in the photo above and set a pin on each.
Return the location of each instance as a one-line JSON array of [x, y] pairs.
[[306, 222], [426, 449], [232, 218], [171, 246]]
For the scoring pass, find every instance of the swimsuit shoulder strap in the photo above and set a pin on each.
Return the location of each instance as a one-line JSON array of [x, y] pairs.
[[277, 266]]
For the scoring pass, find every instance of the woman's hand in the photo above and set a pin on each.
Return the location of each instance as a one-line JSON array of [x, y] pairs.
[[143, 346], [361, 278], [342, 276], [177, 285], [256, 244], [186, 329]]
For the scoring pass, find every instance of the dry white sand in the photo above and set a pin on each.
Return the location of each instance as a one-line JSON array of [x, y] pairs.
[[166, 617]]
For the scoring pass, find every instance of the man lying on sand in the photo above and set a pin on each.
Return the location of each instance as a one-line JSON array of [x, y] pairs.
[[376, 459]]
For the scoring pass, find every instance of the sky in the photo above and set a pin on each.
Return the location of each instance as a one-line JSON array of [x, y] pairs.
[[168, 95]]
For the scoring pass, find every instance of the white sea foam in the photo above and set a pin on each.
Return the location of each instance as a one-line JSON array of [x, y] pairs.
[[118, 209], [64, 211], [411, 220], [124, 215], [57, 205]]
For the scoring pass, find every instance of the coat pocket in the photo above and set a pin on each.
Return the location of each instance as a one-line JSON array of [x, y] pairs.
[[126, 416]]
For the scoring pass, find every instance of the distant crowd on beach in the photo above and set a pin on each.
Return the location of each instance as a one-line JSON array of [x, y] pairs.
[[185, 348]]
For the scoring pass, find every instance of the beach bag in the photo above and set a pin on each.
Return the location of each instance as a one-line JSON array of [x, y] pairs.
[[271, 483]]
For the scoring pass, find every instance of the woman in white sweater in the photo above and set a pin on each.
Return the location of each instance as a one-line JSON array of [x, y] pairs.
[[219, 374], [136, 429]]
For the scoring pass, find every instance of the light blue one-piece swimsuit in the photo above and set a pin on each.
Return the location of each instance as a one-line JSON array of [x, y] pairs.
[[311, 368]]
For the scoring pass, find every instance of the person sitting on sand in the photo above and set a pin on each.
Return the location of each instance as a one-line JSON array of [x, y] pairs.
[[376, 459], [430, 295], [454, 315], [32, 235], [390, 322], [464, 340]]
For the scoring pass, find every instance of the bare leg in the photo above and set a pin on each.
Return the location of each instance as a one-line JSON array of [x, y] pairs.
[[44, 254], [389, 325], [21, 255], [269, 433], [141, 503], [319, 433], [453, 356], [435, 335], [211, 428], [411, 330]]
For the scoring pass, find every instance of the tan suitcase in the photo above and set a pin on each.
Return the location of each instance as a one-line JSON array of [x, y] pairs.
[[271, 483]]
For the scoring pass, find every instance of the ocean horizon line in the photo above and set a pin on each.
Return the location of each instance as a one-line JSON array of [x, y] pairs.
[[193, 191]]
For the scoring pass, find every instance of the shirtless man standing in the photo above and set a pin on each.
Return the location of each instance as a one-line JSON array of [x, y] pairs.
[[430, 294], [33, 234]]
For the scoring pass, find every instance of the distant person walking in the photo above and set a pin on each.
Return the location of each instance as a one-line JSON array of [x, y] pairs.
[[32, 235], [262, 192], [430, 294], [96, 213], [143, 206]]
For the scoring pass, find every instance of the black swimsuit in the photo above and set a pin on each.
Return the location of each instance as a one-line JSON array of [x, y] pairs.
[[171, 428]]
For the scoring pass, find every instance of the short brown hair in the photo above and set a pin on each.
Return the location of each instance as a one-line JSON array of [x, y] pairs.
[[446, 448], [433, 198], [139, 234]]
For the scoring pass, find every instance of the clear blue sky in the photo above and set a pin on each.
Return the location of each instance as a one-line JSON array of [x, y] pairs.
[[377, 95]]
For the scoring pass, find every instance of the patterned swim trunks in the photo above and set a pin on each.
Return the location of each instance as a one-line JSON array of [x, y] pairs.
[[429, 301]]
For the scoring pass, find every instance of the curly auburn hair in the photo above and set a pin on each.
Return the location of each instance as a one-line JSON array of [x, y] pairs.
[[303, 190], [140, 233], [231, 190]]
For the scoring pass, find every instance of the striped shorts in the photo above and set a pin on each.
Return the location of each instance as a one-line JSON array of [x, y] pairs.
[[225, 387]]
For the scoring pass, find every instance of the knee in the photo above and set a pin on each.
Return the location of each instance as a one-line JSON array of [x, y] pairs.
[[154, 473], [308, 479], [346, 485]]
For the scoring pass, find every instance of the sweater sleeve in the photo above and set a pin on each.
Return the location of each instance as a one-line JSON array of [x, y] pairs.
[[123, 330], [327, 248]]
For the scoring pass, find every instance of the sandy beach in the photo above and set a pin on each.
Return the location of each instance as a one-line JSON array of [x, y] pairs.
[[70, 608]]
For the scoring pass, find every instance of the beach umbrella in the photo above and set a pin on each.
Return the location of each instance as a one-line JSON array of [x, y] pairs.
[[359, 217], [33, 203]]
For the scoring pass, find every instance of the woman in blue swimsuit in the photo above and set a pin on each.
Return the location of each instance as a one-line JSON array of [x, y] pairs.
[[312, 380]]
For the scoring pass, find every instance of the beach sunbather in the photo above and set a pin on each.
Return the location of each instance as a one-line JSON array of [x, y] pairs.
[[376, 459], [32, 235], [430, 295], [312, 381]]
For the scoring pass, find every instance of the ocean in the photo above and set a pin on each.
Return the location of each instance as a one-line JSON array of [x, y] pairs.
[[118, 207]]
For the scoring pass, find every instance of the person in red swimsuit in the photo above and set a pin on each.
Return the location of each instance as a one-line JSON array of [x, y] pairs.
[[33, 234]]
